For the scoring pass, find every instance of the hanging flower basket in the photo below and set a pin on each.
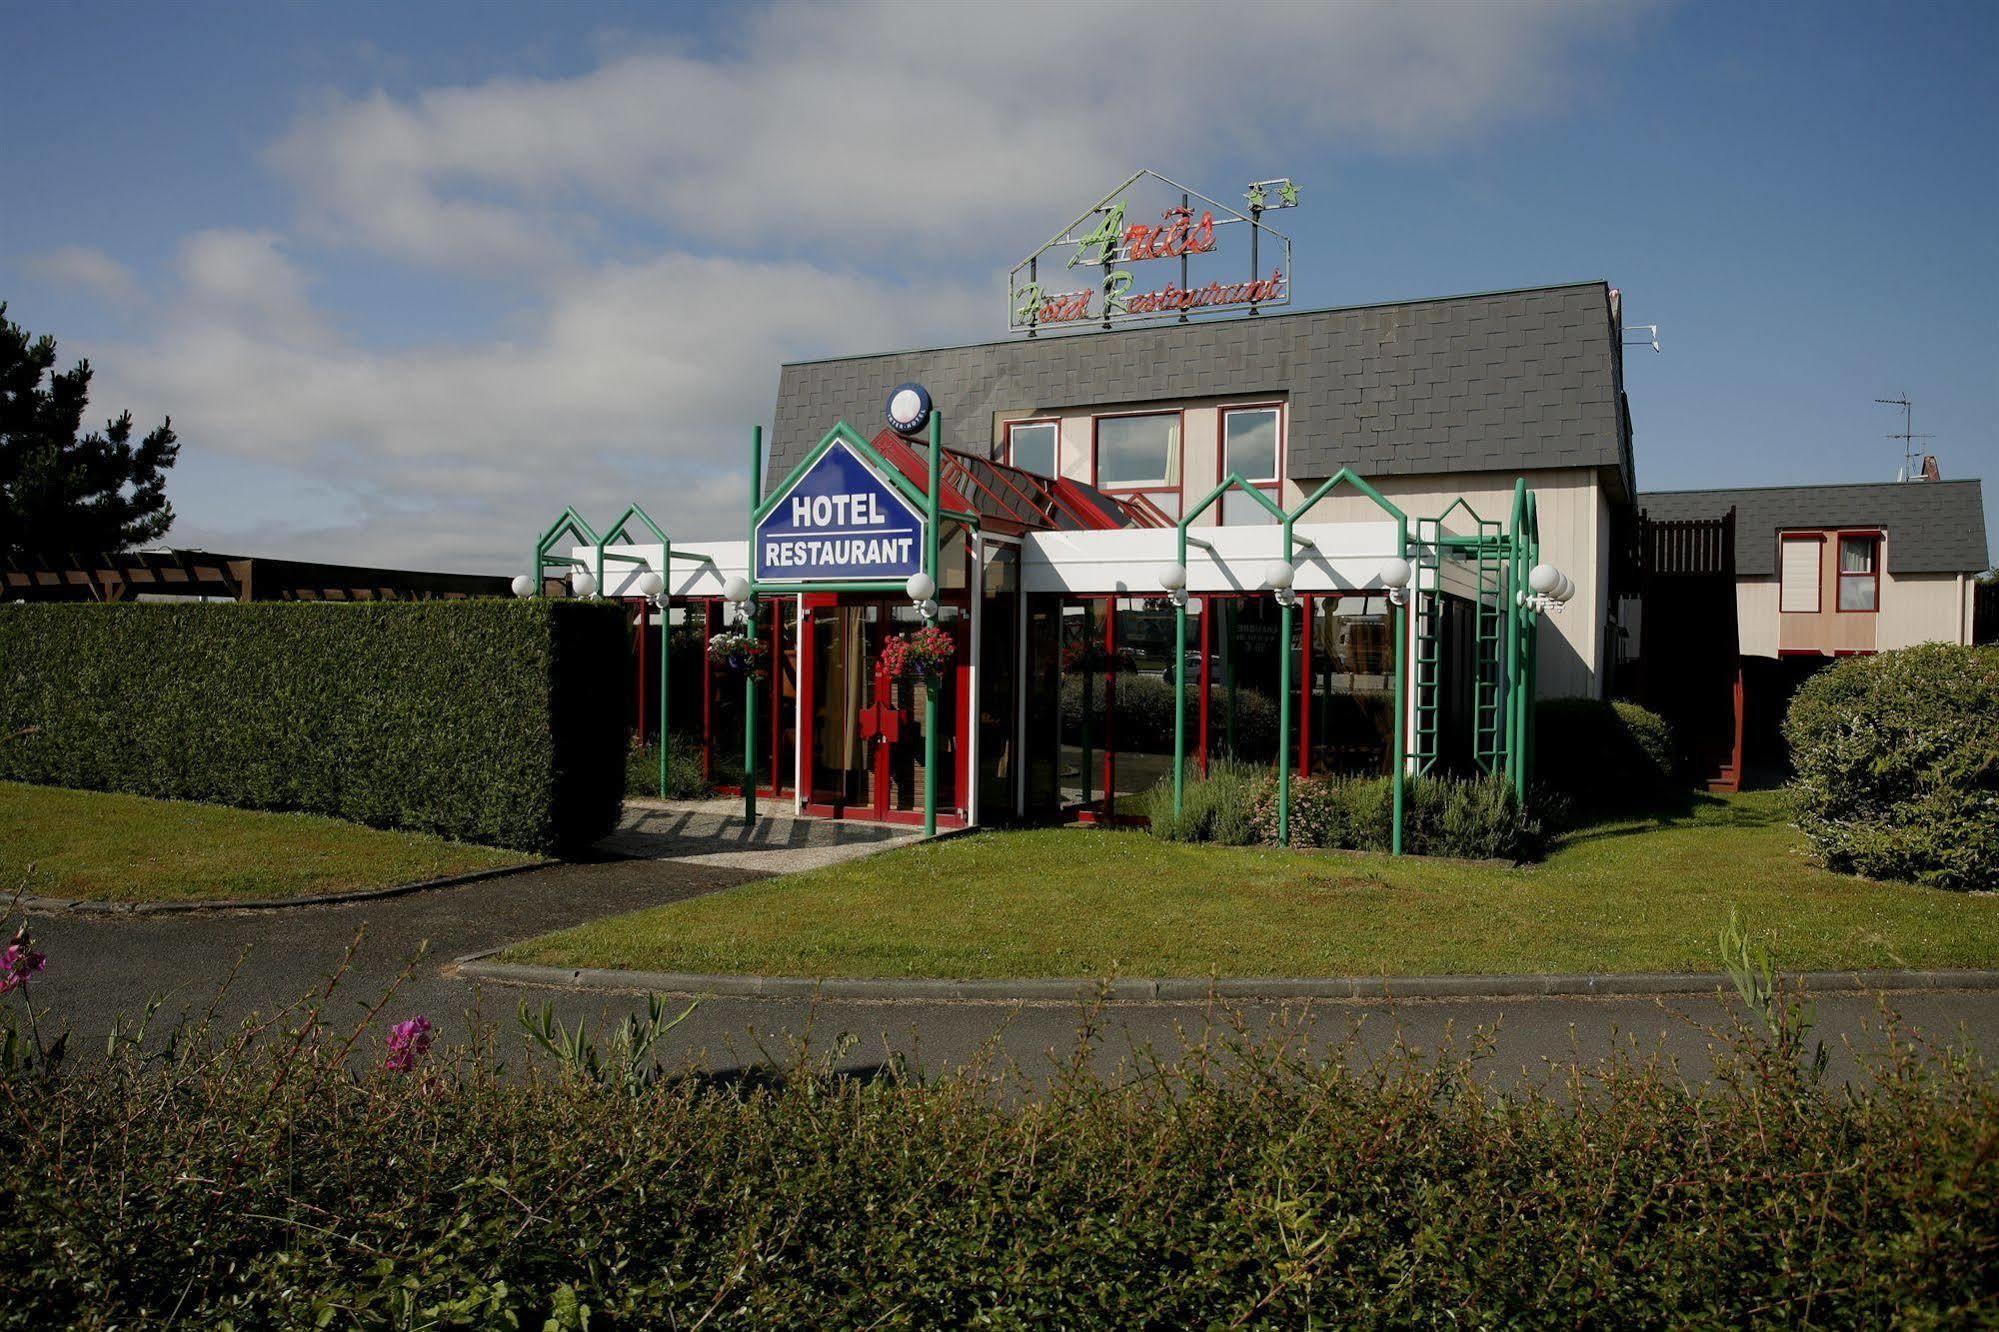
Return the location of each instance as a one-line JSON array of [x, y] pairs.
[[739, 653], [1087, 658], [928, 651]]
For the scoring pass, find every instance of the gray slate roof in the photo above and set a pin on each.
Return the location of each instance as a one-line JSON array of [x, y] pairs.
[[1498, 382], [1932, 526]]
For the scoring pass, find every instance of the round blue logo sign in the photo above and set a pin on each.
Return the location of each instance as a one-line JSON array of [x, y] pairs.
[[908, 408]]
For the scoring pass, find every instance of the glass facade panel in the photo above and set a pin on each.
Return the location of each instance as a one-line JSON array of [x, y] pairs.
[[999, 665], [1141, 724], [1138, 450], [1243, 666], [1350, 718], [1084, 626], [1043, 686]]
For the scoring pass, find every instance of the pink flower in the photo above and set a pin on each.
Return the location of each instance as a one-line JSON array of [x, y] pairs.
[[19, 962], [408, 1042]]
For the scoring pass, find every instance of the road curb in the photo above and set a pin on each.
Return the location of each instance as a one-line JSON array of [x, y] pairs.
[[480, 967], [83, 907]]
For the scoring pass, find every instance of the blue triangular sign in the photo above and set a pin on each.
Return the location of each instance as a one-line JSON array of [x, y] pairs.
[[839, 521]]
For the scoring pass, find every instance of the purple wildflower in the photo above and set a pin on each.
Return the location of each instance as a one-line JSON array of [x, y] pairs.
[[19, 962], [408, 1042]]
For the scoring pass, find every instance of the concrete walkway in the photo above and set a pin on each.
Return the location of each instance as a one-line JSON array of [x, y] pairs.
[[714, 832]]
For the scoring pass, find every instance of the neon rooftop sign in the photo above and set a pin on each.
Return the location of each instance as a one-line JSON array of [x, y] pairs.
[[1102, 267]]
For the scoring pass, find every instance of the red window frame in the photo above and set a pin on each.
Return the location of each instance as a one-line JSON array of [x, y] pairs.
[[1276, 483], [1818, 581], [1130, 487], [1878, 537], [1055, 421]]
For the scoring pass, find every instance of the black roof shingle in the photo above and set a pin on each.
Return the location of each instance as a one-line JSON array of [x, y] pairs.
[[1505, 381], [1932, 526]]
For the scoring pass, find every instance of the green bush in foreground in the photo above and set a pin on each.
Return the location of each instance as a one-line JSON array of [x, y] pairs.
[[1236, 805], [1897, 760], [483, 721], [292, 1178], [1606, 758]]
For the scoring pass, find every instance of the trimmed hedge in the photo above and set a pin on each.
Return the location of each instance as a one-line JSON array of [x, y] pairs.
[[1606, 758], [1280, 1180], [485, 721], [1897, 760]]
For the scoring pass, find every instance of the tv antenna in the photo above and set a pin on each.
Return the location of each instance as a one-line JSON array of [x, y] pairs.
[[1907, 435]]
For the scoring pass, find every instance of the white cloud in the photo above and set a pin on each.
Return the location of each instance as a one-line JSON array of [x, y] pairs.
[[888, 126], [819, 144], [639, 381], [93, 270]]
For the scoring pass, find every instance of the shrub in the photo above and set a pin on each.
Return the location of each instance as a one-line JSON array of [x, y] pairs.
[[486, 721], [1897, 760], [685, 779], [1605, 758], [1216, 808], [1477, 819], [1272, 1182]]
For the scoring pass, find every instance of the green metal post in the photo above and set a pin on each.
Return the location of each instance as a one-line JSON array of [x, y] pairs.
[[750, 632], [930, 566], [1398, 780], [1284, 715], [1284, 700], [1180, 683], [665, 629]]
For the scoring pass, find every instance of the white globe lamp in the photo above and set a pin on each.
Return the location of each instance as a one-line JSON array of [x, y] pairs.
[[523, 585], [583, 585], [921, 587], [651, 584], [1544, 579]]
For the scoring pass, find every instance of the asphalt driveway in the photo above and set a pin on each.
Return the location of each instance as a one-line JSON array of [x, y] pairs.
[[100, 966]]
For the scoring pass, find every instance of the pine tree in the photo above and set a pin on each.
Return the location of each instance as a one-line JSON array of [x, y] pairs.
[[63, 492]]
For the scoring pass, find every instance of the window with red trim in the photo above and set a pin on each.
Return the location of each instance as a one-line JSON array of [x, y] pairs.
[[1138, 451], [1251, 449], [1860, 571]]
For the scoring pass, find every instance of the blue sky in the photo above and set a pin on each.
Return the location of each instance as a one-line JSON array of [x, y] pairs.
[[411, 277]]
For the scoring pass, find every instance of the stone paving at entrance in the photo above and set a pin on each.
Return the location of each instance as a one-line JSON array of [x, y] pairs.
[[714, 832]]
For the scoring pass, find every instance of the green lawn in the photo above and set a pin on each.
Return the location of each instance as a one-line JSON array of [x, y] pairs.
[[121, 848], [1629, 896]]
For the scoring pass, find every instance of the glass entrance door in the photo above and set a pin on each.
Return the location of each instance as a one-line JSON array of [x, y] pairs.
[[865, 746]]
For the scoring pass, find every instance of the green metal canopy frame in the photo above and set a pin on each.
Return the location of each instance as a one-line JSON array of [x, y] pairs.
[[1506, 651], [935, 516], [571, 523]]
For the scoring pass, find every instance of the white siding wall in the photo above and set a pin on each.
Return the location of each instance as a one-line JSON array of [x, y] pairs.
[[1923, 608], [1756, 616]]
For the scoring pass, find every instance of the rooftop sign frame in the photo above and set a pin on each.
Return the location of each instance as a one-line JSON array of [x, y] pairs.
[[1103, 238]]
